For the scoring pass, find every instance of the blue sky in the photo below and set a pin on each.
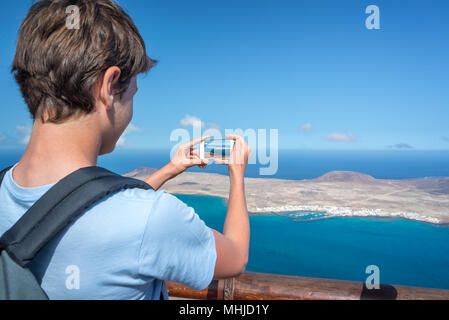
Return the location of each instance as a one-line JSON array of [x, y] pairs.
[[281, 65]]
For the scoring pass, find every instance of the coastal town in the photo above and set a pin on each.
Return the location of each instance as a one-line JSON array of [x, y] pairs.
[[330, 211]]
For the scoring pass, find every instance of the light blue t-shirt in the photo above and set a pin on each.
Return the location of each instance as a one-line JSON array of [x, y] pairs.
[[122, 247]]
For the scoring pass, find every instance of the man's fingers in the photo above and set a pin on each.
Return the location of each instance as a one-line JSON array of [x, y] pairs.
[[197, 162], [233, 137], [195, 153], [221, 161], [196, 141]]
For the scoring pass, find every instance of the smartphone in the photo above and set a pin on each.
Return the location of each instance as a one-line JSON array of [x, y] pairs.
[[216, 149]]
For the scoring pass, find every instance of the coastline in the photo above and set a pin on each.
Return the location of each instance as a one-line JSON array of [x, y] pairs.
[[334, 212], [348, 212], [338, 194]]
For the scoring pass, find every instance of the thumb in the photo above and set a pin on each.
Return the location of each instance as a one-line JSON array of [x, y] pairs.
[[220, 161], [197, 162]]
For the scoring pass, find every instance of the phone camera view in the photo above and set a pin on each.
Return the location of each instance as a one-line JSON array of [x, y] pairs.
[[217, 149]]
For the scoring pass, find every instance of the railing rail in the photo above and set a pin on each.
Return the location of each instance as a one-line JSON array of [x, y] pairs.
[[261, 286]]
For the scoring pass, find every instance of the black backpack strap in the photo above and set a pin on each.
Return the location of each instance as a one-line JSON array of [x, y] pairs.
[[65, 201], [2, 174]]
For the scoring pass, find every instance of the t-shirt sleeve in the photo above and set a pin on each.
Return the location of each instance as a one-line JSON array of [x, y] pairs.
[[177, 245]]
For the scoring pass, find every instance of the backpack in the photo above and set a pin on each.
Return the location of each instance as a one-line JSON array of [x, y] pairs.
[[64, 202]]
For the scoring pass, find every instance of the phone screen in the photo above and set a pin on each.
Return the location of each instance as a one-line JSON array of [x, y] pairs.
[[216, 149]]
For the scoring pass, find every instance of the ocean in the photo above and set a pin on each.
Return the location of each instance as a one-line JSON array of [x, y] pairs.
[[293, 164], [406, 252], [299, 165]]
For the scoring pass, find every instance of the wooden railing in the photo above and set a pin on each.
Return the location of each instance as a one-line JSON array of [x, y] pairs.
[[260, 286]]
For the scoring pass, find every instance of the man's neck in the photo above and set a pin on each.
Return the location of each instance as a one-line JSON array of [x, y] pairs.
[[55, 151]]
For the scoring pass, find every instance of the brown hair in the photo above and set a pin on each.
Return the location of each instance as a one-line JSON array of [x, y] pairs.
[[56, 66]]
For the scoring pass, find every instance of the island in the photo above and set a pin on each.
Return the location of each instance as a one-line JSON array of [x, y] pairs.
[[338, 193]]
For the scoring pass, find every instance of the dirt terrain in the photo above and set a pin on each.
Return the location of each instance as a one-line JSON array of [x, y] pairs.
[[338, 193]]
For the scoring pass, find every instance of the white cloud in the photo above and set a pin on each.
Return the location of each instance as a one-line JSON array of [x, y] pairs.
[[213, 125], [307, 127], [26, 132], [341, 137], [122, 140], [191, 121]]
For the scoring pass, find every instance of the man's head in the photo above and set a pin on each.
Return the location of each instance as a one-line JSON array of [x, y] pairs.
[[66, 72]]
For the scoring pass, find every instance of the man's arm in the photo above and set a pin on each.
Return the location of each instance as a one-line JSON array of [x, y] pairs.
[[233, 245], [160, 177], [184, 158]]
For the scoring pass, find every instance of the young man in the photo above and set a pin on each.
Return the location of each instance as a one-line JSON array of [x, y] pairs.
[[79, 86]]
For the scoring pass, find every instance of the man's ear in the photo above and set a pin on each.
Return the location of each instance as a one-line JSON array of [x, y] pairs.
[[107, 85]]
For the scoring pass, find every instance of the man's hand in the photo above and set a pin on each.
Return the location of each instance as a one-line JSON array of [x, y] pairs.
[[184, 158], [239, 156]]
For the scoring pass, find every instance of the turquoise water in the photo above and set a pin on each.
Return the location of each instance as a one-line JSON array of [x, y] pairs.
[[406, 252]]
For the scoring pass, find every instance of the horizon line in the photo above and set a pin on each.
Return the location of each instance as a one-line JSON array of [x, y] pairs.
[[121, 149]]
